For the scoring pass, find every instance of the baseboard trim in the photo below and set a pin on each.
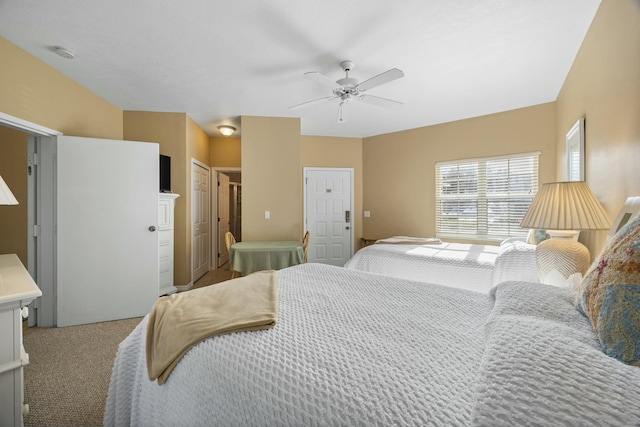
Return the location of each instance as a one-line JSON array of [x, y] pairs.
[[185, 287]]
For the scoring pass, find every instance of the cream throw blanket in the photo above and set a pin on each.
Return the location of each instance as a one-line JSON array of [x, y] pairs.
[[180, 321]]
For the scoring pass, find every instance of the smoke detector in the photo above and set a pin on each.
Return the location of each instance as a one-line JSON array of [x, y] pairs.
[[64, 52]]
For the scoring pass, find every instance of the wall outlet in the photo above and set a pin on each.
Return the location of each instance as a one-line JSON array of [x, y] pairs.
[[267, 214], [367, 214]]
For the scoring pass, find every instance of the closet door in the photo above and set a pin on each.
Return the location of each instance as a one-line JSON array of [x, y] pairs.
[[107, 238]]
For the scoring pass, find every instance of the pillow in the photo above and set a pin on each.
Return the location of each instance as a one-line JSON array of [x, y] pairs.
[[537, 236], [512, 240], [610, 295]]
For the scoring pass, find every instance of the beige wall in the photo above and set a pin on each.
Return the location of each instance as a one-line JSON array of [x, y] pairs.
[[399, 168], [33, 91], [330, 152], [197, 143], [604, 87], [13, 169], [170, 131], [225, 152], [271, 178]]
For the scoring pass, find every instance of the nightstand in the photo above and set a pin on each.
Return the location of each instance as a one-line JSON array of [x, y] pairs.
[[366, 242], [17, 290]]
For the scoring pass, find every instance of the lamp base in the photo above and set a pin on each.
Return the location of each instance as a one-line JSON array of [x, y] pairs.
[[560, 257]]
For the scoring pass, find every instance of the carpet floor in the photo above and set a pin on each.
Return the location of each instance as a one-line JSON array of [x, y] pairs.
[[67, 379]]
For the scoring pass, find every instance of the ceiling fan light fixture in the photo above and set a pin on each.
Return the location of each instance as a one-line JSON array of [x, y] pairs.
[[349, 89], [226, 130]]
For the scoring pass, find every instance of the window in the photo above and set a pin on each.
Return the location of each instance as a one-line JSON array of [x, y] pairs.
[[485, 198]]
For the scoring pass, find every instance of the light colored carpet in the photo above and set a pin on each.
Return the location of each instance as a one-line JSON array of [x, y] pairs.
[[68, 376]]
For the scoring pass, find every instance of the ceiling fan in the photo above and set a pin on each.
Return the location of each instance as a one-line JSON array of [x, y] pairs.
[[348, 89]]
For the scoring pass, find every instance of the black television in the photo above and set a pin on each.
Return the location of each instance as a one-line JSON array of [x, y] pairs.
[[165, 174]]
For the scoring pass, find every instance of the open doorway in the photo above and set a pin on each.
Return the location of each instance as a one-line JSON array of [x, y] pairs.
[[227, 211], [31, 146]]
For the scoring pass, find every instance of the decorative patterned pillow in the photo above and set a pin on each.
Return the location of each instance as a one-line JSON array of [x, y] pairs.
[[610, 295]]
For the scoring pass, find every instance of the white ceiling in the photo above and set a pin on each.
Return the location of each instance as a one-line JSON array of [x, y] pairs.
[[217, 60]]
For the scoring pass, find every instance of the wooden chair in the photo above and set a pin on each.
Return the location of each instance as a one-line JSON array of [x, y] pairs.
[[229, 240], [305, 243]]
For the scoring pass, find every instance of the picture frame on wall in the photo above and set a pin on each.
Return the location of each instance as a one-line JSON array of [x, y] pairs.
[[575, 152]]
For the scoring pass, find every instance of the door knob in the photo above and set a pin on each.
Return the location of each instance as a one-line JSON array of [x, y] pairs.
[[347, 227], [152, 228]]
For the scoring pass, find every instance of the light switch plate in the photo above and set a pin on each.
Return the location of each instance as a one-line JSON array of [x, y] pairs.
[[367, 214], [267, 214]]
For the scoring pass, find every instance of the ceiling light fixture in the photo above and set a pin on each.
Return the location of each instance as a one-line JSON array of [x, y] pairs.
[[226, 130], [64, 52]]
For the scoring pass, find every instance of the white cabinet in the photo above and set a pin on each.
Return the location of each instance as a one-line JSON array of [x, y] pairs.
[[165, 241], [17, 290]]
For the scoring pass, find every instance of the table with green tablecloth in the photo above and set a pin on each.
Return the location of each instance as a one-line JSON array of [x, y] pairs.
[[248, 257]]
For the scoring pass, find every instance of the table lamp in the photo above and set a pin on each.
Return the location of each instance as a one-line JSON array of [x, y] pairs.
[[563, 209], [6, 197]]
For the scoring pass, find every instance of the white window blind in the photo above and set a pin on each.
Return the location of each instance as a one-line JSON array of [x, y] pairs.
[[485, 198], [574, 165]]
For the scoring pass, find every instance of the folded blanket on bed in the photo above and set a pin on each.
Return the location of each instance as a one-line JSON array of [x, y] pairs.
[[180, 321], [404, 240]]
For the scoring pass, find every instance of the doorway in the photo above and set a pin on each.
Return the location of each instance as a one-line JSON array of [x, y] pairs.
[[40, 236], [227, 211]]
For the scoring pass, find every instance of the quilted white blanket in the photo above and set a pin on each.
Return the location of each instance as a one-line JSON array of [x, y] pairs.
[[473, 267], [353, 348], [349, 348], [544, 366]]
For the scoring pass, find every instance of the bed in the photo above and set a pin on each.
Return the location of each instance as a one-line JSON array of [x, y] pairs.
[[356, 348], [466, 266]]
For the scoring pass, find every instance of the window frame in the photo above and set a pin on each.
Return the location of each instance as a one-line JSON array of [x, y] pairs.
[[509, 205]]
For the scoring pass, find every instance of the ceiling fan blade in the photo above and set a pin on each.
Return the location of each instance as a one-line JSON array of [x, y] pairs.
[[380, 79], [381, 102], [322, 79], [342, 112], [313, 101]]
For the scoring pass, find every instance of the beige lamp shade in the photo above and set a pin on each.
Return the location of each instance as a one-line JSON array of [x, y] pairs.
[[6, 196], [564, 206]]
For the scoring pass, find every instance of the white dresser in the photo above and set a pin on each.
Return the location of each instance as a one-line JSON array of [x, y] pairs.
[[17, 290], [167, 203]]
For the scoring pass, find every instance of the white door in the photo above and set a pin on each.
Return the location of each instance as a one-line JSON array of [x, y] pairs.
[[107, 243], [329, 214], [200, 226], [223, 217]]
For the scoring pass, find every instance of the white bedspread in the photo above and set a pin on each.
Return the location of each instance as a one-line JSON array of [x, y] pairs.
[[543, 365], [350, 348], [357, 349], [473, 267]]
